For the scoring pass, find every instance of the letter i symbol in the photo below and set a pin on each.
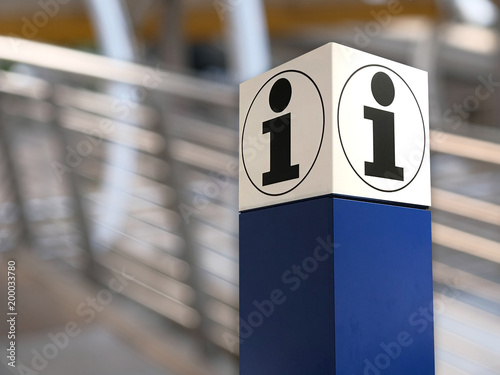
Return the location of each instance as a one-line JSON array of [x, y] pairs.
[[384, 148], [281, 136]]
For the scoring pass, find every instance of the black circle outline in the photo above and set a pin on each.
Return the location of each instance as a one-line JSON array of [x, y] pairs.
[[340, 135], [320, 143]]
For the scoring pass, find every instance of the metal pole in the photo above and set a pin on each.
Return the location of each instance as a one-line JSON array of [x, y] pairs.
[[173, 46], [115, 35], [248, 39], [24, 237]]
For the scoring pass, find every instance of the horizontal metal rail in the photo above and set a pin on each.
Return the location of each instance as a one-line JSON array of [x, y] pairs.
[[85, 64]]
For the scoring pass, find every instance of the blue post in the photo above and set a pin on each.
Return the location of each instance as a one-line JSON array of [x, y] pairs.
[[335, 235]]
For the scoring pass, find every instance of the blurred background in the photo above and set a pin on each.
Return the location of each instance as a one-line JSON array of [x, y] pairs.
[[118, 165]]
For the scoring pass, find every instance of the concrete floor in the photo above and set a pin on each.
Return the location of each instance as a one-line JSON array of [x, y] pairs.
[[120, 337]]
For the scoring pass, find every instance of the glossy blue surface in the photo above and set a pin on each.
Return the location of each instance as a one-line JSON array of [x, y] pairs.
[[335, 286], [383, 289]]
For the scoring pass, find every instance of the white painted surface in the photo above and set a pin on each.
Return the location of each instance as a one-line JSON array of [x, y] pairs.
[[332, 156]]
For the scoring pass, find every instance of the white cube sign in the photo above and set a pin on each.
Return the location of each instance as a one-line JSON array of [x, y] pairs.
[[335, 121]]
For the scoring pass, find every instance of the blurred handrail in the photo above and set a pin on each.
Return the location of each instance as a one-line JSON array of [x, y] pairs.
[[466, 147], [91, 65]]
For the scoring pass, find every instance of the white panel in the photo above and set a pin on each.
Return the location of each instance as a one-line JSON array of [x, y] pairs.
[[335, 120]]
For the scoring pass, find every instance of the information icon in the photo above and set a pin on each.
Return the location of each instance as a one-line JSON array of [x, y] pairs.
[[283, 132], [381, 128]]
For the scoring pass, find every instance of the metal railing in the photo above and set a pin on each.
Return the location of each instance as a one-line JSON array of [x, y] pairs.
[[177, 241], [173, 192]]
